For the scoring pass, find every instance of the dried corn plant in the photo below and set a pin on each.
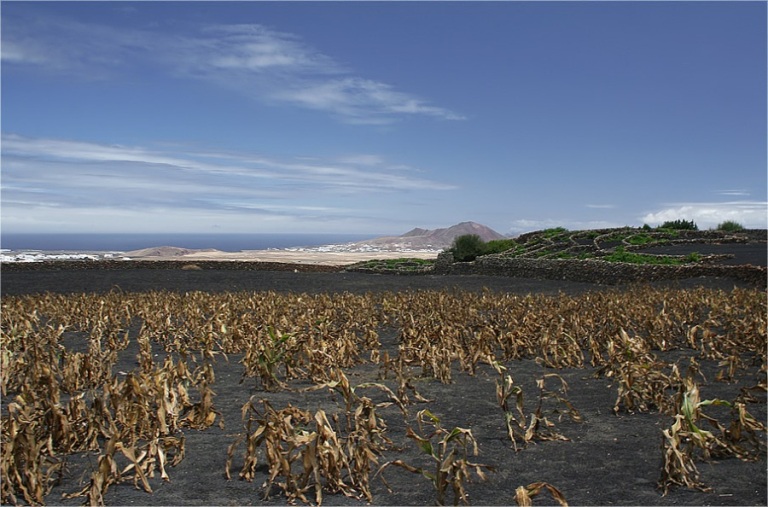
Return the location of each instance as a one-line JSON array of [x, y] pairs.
[[679, 467], [743, 434], [540, 427], [642, 383], [140, 462], [202, 414], [524, 494], [84, 371], [140, 416], [305, 458], [29, 462], [686, 441], [340, 383], [263, 358], [449, 454], [514, 420], [683, 439], [364, 445], [405, 384]]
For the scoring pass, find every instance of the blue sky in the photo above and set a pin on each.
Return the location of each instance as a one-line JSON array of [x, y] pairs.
[[357, 117]]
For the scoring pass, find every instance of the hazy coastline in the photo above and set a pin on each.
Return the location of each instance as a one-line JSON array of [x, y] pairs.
[[329, 249], [328, 254]]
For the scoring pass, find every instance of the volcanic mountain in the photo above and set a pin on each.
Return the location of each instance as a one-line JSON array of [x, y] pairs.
[[436, 239]]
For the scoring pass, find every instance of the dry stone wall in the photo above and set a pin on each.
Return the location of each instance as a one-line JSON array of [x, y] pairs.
[[594, 270]]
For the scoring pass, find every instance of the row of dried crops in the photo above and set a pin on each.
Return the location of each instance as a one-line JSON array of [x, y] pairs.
[[67, 401]]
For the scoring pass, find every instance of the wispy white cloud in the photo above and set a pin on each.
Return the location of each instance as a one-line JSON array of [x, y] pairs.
[[252, 48], [735, 193], [750, 214], [67, 46], [44, 174], [363, 159], [15, 52], [601, 206], [359, 100], [258, 62]]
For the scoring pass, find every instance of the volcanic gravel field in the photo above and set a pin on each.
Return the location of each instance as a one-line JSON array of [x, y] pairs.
[[610, 459]]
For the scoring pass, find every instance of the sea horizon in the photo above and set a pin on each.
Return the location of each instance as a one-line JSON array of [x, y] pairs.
[[126, 242]]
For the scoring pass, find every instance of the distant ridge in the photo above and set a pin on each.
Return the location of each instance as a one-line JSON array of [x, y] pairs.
[[435, 239], [415, 232], [166, 251]]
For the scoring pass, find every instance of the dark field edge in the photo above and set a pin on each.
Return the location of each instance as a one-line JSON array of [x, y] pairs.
[[20, 283], [78, 265], [217, 276]]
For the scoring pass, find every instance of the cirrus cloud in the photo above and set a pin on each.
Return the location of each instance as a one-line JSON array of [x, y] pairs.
[[253, 60], [63, 178]]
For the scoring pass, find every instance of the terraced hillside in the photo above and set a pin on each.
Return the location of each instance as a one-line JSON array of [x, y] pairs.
[[643, 245], [605, 255]]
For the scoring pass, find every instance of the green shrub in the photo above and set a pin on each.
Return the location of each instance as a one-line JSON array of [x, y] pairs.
[[640, 239], [684, 225], [554, 231], [730, 226], [470, 246], [467, 248], [693, 257], [498, 246]]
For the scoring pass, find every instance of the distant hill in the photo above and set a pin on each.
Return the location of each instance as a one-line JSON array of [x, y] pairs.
[[435, 239], [166, 251]]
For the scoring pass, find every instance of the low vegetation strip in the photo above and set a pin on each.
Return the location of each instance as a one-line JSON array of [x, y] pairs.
[[401, 266]]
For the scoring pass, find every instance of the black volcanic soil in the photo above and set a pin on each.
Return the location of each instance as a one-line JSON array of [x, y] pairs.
[[610, 460], [219, 280], [215, 276]]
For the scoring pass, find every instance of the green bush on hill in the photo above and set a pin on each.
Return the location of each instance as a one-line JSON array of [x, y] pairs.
[[553, 232], [498, 246], [683, 225], [469, 247], [730, 226]]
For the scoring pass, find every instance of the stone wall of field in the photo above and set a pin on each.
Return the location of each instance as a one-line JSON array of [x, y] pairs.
[[594, 270]]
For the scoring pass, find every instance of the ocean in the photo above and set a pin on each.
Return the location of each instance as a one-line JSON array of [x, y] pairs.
[[128, 242]]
